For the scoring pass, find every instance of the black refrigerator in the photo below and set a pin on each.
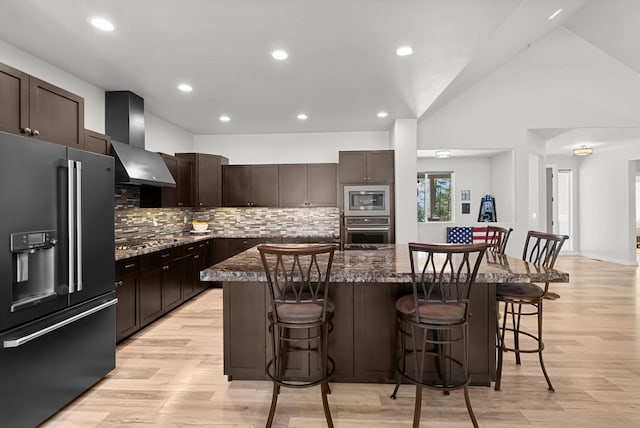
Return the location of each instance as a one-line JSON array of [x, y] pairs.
[[57, 292]]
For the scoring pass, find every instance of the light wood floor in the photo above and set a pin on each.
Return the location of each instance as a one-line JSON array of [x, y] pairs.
[[170, 375]]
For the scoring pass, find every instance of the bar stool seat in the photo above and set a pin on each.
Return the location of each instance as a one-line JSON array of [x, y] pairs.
[[520, 291], [441, 313]]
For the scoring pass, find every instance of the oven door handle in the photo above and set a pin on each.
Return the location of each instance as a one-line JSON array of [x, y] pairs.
[[366, 229]]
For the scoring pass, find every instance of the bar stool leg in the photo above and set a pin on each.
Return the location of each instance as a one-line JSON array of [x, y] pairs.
[[541, 347], [324, 387], [500, 332], [469, 409], [274, 400], [418, 407]]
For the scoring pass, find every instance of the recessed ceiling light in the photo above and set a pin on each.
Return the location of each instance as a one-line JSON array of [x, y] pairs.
[[441, 154], [224, 118], [404, 51], [101, 23], [280, 55], [382, 114], [556, 13], [185, 87], [302, 116]]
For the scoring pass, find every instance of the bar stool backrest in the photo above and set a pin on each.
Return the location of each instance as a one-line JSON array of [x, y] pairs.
[[298, 275], [444, 273], [542, 248], [497, 238]]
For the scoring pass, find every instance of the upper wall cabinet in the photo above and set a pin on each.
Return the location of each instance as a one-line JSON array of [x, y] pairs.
[[307, 185], [206, 178], [97, 143], [250, 185], [170, 197], [37, 109], [366, 167]]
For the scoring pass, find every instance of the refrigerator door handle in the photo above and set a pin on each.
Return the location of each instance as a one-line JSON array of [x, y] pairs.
[[71, 221], [78, 225], [14, 343]]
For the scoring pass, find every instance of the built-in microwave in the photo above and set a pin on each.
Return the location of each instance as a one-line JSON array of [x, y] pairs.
[[366, 200]]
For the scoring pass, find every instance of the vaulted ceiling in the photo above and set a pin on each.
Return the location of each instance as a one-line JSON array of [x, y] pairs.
[[342, 67]]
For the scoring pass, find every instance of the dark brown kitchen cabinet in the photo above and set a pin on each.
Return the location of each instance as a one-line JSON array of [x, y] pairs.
[[307, 185], [150, 284], [127, 319], [206, 178], [197, 258], [170, 197], [366, 167], [173, 267], [250, 185], [96, 142], [34, 108]]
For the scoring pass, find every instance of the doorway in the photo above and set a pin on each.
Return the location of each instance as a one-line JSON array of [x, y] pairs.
[[565, 205]]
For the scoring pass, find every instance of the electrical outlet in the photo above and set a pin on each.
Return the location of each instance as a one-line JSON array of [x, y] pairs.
[[185, 219], [155, 222]]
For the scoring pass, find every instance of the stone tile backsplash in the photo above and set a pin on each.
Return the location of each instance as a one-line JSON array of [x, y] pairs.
[[133, 223]]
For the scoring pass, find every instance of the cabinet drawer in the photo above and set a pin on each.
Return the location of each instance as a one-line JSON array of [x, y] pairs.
[[159, 258], [126, 266]]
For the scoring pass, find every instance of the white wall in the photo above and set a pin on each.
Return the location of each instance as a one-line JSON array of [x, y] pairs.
[[160, 135], [562, 81], [503, 186], [289, 148], [403, 141]]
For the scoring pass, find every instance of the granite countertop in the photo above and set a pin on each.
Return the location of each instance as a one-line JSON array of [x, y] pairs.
[[388, 263], [188, 238]]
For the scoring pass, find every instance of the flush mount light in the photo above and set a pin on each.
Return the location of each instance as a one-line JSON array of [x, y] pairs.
[[302, 116], [441, 154], [280, 55], [404, 51], [101, 23], [224, 118], [554, 14], [185, 87], [382, 114], [583, 151]]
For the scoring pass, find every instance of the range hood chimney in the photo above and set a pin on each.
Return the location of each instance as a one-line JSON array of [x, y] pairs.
[[124, 122]]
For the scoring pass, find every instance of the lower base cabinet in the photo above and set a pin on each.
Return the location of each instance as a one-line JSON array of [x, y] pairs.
[[152, 285]]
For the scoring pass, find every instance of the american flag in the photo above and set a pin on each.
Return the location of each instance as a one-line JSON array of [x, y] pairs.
[[466, 235]]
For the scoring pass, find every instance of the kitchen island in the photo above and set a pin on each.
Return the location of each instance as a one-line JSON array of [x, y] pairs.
[[366, 284]]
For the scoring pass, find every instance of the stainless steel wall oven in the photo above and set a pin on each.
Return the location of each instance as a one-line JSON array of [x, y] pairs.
[[367, 230]]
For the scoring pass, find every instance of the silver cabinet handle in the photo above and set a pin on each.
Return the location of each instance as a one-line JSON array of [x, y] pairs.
[[364, 229], [129, 266], [14, 343]]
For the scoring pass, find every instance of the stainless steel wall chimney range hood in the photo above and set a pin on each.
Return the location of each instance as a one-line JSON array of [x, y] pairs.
[[124, 122]]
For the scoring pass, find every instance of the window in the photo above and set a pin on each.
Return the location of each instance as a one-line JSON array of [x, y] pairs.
[[434, 196]]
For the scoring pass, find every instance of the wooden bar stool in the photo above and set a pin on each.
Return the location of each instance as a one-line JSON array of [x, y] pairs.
[[434, 319], [299, 315], [540, 249]]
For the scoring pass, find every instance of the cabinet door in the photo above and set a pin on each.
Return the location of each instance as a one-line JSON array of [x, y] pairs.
[[380, 167], [236, 182], [191, 264], [97, 143], [173, 265], [207, 171], [55, 115], [150, 283], [322, 185], [292, 185], [14, 100], [264, 185], [127, 320], [352, 167], [184, 183], [169, 195]]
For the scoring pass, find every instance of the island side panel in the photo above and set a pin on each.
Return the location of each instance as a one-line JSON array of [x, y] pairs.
[[244, 318]]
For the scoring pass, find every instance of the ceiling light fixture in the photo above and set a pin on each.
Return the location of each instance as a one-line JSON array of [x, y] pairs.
[[302, 116], [280, 55], [101, 23], [382, 114], [404, 51], [583, 151], [185, 87], [556, 13], [442, 154], [224, 118]]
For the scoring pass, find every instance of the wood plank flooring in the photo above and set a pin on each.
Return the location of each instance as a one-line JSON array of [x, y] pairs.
[[170, 374]]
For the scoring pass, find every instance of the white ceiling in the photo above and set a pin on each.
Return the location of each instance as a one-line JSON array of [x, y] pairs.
[[341, 70]]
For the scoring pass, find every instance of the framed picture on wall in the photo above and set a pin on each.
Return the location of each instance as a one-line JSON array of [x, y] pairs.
[[465, 195], [466, 208]]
